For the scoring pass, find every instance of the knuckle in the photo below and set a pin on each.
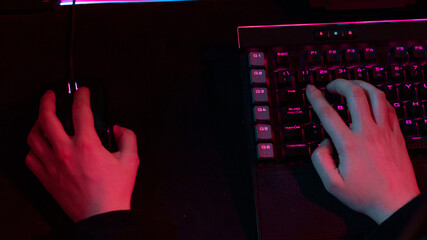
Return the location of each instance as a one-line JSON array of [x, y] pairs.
[[357, 92], [380, 95], [63, 154]]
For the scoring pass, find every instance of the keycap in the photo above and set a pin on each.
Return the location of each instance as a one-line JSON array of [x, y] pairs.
[[323, 77], [284, 78], [397, 74], [400, 111], [261, 113], [369, 54], [422, 126], [312, 132], [378, 75], [341, 73], [259, 95], [331, 97], [408, 127], [292, 133], [314, 57], [295, 114], [418, 52], [265, 151], [399, 53], [256, 59], [414, 109], [390, 91], [414, 73], [407, 91], [342, 111], [258, 76], [422, 91], [303, 78], [332, 56], [282, 59], [300, 150], [351, 55], [263, 132], [360, 73], [291, 96]]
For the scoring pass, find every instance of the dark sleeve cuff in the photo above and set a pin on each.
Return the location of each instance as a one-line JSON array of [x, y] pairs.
[[403, 221], [130, 225]]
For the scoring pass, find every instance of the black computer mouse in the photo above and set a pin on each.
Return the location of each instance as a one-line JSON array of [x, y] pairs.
[[64, 92]]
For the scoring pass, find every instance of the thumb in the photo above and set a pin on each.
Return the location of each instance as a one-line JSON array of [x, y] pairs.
[[126, 141], [326, 167]]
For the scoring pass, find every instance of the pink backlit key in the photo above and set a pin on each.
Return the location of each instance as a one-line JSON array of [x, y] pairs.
[[263, 132], [261, 113], [256, 59], [259, 95], [265, 151]]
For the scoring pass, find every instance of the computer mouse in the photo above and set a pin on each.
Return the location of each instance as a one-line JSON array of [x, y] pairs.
[[64, 92]]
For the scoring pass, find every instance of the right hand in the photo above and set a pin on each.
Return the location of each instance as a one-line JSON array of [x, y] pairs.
[[374, 174]]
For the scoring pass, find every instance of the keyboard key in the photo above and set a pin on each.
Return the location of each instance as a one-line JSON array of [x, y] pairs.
[[342, 111], [399, 53], [332, 56], [418, 52], [378, 75], [282, 59], [256, 59], [407, 91], [303, 78], [295, 114], [341, 73], [332, 98], [313, 116], [397, 74], [400, 111], [312, 132], [284, 78], [369, 54], [360, 73], [414, 73], [390, 91], [314, 57], [414, 109], [265, 151], [408, 127], [258, 76], [263, 132], [292, 133], [261, 113], [422, 91], [259, 95], [351, 55], [291, 97], [298, 151], [323, 77], [422, 126]]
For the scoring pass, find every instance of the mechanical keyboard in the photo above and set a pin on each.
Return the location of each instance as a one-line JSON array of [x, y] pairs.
[[278, 61], [282, 60]]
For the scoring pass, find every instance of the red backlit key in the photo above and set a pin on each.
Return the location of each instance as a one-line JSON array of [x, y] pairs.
[[399, 53], [256, 59], [291, 96], [295, 114], [259, 95], [378, 75], [303, 78], [422, 91], [265, 151], [284, 78], [282, 59], [332, 56], [293, 151], [258, 76], [360, 73], [397, 74], [418, 52], [341, 73], [390, 91], [407, 91], [422, 126], [292, 133], [263, 132], [414, 109], [312, 132], [369, 54], [342, 111], [261, 113], [351, 55], [408, 127], [314, 57], [323, 77], [414, 73], [400, 111]]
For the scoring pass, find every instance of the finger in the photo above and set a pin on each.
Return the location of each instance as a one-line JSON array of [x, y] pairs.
[[35, 165], [127, 144], [49, 122], [331, 121], [378, 101], [38, 143], [326, 167], [82, 114], [356, 100]]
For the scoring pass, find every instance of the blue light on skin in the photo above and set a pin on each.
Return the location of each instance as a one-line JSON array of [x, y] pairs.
[[79, 2]]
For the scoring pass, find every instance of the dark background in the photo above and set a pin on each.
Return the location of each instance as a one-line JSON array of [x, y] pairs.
[[172, 75]]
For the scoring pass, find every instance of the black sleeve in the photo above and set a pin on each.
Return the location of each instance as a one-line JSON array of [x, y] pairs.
[[409, 222], [129, 225]]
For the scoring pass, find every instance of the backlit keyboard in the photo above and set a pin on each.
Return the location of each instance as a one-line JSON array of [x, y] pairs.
[[279, 61]]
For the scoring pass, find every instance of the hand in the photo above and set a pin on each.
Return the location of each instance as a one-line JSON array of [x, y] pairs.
[[374, 174], [83, 177]]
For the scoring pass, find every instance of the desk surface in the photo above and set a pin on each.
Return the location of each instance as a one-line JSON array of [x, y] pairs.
[[172, 75]]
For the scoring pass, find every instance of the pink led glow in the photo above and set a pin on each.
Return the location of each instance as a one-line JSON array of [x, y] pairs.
[[70, 2], [326, 24]]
